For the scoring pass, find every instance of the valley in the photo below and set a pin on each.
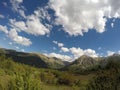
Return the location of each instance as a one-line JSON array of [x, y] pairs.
[[18, 71]]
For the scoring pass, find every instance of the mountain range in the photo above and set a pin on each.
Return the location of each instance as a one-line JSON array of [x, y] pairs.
[[41, 61], [34, 59]]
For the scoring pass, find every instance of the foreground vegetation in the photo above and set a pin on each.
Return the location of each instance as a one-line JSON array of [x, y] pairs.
[[16, 76]]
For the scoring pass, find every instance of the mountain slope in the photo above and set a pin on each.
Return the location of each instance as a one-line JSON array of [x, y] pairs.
[[33, 59], [82, 64]]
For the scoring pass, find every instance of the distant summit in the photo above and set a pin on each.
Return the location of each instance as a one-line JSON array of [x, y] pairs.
[[116, 54]]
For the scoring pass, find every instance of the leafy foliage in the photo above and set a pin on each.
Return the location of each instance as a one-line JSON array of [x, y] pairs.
[[16, 76], [108, 78]]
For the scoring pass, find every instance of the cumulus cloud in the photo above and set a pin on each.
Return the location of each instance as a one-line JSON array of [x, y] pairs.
[[1, 16], [58, 43], [74, 53], [109, 53], [112, 25], [62, 57], [18, 25], [12, 34], [10, 43], [43, 13], [55, 42], [64, 49], [17, 47], [77, 52], [32, 25], [79, 16], [90, 52], [3, 29], [16, 4], [35, 27]]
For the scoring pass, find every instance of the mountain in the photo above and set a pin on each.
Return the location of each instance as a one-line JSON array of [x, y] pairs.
[[83, 63], [87, 63], [33, 59]]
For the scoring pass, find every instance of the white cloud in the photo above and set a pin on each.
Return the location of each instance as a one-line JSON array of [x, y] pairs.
[[32, 25], [10, 43], [1, 16], [12, 34], [109, 53], [90, 52], [62, 57], [3, 29], [78, 16], [35, 26], [16, 4], [17, 47], [112, 25], [43, 13], [77, 52], [58, 43], [64, 49], [22, 13], [55, 42], [19, 25], [17, 7]]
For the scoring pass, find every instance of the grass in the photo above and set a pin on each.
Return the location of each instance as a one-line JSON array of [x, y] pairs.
[[15, 75], [59, 87]]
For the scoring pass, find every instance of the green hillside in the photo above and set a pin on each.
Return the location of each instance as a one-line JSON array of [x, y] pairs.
[[17, 76], [33, 59], [83, 65], [85, 73]]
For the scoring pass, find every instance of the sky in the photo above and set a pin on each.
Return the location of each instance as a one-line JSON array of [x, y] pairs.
[[66, 29]]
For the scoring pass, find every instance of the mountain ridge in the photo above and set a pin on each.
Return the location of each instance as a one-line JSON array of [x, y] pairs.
[[41, 61], [33, 59]]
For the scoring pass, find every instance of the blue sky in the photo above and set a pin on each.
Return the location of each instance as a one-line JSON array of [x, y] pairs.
[[66, 29]]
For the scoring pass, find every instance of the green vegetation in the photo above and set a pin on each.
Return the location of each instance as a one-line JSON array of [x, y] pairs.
[[16, 76], [104, 75], [33, 59], [107, 78]]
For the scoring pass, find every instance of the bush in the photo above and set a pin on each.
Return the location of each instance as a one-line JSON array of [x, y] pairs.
[[66, 79], [23, 82]]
